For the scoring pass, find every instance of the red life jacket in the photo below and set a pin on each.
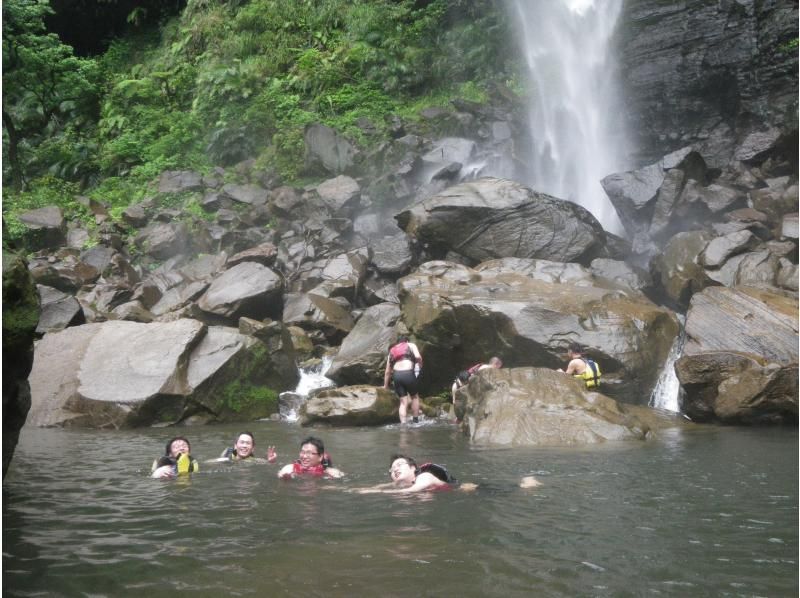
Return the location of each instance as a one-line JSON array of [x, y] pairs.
[[401, 351], [316, 470]]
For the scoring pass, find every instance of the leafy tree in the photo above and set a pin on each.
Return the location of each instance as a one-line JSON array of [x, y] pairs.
[[44, 85]]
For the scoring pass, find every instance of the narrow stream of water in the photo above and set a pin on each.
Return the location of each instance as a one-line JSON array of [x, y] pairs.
[[711, 512]]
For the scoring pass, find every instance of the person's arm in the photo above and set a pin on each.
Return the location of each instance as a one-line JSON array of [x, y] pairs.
[[286, 472], [424, 481], [387, 373], [164, 472], [573, 366], [271, 454], [332, 472]]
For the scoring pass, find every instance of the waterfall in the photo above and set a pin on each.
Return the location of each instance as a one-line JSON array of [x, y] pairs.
[[574, 106], [666, 393], [311, 379]]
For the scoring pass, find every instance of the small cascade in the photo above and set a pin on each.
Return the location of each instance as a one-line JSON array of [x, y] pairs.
[[574, 100], [311, 379], [666, 394]]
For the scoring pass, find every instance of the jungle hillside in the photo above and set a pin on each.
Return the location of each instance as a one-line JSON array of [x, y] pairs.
[[100, 98]]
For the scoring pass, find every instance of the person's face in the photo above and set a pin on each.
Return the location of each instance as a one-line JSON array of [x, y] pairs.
[[244, 445], [309, 456], [177, 447], [401, 472]]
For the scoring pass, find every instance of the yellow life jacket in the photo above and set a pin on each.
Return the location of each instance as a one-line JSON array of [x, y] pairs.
[[591, 375]]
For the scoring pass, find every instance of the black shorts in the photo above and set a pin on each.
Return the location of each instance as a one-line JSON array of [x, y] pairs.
[[405, 383]]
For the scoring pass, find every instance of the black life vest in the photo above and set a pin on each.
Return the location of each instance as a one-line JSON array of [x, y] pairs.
[[439, 471]]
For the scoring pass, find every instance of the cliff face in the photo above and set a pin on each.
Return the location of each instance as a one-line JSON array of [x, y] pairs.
[[707, 73]]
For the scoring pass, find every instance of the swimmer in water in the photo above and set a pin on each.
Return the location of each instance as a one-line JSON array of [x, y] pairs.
[[244, 449], [313, 461], [177, 459], [407, 478]]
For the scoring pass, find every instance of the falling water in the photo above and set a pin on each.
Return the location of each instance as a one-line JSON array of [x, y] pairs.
[[666, 393], [311, 379], [574, 106]]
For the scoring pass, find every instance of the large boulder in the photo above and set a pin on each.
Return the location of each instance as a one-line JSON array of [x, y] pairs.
[[20, 318], [248, 289], [327, 151], [459, 316], [740, 356], [122, 374], [45, 228], [351, 406], [493, 218], [362, 357], [540, 407]]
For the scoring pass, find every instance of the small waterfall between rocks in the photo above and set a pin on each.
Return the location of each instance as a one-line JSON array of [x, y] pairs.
[[666, 393], [311, 379], [574, 105]]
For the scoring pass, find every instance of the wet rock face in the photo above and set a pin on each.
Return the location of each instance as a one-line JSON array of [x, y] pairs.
[[709, 74], [525, 316], [494, 218], [740, 359], [20, 318], [538, 407], [351, 406]]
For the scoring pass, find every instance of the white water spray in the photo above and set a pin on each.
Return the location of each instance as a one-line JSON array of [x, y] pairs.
[[311, 379], [574, 105], [666, 394]]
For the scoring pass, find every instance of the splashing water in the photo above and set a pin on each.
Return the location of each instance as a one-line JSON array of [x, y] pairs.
[[311, 379], [666, 394], [574, 106]]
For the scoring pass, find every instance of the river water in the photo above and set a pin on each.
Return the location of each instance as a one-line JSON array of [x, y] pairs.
[[707, 512]]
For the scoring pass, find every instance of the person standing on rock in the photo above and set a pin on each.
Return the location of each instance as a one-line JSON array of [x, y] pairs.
[[404, 367]]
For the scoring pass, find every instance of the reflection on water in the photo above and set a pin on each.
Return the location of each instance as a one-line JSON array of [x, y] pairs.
[[712, 512]]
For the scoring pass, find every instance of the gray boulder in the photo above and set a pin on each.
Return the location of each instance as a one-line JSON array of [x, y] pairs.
[[248, 289], [327, 151], [740, 357], [178, 181], [493, 218], [341, 196], [459, 316], [46, 228], [163, 240], [59, 310], [539, 407], [362, 356], [351, 406]]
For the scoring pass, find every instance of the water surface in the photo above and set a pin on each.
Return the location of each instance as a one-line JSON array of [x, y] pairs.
[[711, 512]]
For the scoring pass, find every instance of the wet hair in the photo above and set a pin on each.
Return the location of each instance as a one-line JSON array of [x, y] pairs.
[[240, 434], [408, 460], [496, 361], [575, 348], [169, 445], [402, 338]]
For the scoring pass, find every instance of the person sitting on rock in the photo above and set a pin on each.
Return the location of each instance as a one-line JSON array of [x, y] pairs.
[[313, 461], [582, 367], [244, 449], [464, 375], [177, 460], [407, 477], [404, 366]]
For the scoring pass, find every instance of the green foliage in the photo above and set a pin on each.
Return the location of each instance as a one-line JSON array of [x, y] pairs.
[[241, 397], [44, 88], [789, 46], [47, 190], [227, 81]]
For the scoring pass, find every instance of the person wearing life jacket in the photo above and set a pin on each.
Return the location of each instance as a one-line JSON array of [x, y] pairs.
[[464, 375], [244, 449], [404, 367], [177, 460], [408, 477], [313, 461], [582, 367]]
